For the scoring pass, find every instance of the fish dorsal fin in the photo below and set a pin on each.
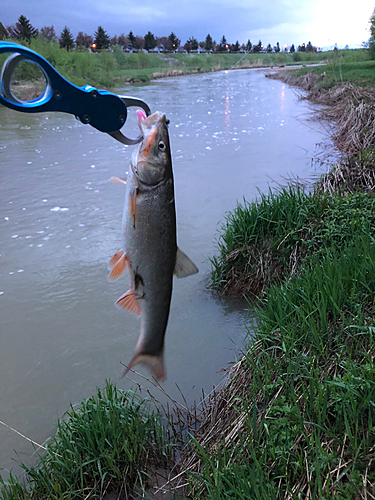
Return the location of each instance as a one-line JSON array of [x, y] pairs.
[[130, 302], [184, 266], [118, 267]]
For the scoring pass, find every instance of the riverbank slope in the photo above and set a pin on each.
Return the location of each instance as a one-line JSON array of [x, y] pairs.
[[298, 412]]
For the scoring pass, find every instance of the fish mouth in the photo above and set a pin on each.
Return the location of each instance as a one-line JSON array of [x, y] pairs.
[[147, 123]]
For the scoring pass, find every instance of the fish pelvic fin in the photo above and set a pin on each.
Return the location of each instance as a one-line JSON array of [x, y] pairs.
[[115, 259], [154, 363], [119, 180], [118, 265], [129, 301], [184, 266]]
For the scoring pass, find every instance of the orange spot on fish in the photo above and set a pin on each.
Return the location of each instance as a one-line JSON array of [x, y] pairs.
[[151, 138]]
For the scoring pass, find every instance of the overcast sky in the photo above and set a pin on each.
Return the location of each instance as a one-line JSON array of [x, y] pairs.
[[323, 22]]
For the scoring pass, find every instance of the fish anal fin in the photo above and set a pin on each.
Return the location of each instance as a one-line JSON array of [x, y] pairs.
[[154, 363], [115, 258], [118, 268], [130, 302], [184, 266]]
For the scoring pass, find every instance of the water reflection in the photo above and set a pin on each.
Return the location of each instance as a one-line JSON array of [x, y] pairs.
[[226, 113], [282, 95]]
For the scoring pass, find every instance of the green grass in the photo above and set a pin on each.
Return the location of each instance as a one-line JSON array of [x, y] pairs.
[[265, 242], [360, 73], [308, 409], [113, 68], [108, 443]]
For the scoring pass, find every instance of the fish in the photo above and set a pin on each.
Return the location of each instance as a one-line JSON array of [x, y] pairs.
[[150, 252]]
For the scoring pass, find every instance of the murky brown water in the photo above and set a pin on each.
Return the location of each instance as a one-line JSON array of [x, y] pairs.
[[60, 222]]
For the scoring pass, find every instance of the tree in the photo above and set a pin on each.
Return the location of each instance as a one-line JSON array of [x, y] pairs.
[[24, 30], [150, 42], [235, 47], [48, 33], [188, 46], [131, 38], [208, 42], [163, 43], [371, 42], [66, 39], [121, 40], [269, 48], [139, 42], [249, 46], [84, 40], [175, 42], [258, 47], [194, 43], [3, 32], [223, 46], [309, 47], [292, 49], [113, 41], [101, 39], [301, 48], [277, 48]]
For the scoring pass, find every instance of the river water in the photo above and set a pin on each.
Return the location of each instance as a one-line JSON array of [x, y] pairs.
[[60, 223]]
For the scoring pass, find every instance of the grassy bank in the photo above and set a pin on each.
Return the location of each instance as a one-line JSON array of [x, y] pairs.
[[110, 443], [296, 419], [115, 68]]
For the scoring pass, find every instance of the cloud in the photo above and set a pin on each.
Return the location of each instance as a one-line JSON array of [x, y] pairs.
[[285, 21]]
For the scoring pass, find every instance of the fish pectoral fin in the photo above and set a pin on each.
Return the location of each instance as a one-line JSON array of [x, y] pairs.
[[117, 256], [118, 266], [154, 363], [119, 180], [184, 266], [129, 301]]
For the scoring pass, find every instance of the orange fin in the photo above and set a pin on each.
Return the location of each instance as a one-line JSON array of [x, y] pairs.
[[115, 258], [154, 363], [118, 180], [130, 302], [118, 268]]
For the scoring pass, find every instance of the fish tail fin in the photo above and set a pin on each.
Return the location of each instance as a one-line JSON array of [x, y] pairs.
[[154, 363]]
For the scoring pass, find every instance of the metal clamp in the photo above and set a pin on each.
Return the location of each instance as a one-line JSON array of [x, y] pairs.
[[101, 109]]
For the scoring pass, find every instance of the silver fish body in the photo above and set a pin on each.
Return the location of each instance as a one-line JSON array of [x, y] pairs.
[[150, 245]]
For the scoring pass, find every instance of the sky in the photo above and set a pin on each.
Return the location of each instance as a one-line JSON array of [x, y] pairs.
[[323, 22]]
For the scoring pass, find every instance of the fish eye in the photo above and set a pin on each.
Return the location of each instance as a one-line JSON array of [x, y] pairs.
[[162, 146], [167, 122]]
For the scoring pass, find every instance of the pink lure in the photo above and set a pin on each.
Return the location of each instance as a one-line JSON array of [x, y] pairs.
[[141, 115]]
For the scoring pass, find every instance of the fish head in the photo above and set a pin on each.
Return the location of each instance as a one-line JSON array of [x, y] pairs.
[[151, 161]]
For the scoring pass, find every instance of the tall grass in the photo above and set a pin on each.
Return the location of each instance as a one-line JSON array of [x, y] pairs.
[[108, 443], [299, 418], [265, 242]]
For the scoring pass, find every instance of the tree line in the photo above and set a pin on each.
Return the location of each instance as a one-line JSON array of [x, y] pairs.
[[23, 30]]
